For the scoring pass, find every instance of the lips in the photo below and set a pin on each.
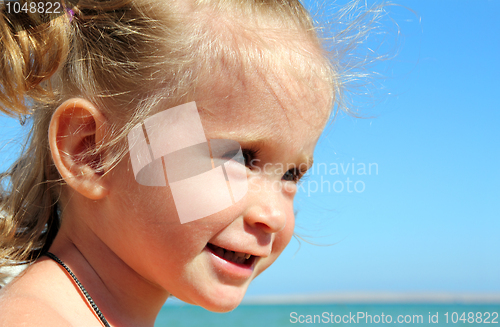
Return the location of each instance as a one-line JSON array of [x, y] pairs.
[[239, 258]]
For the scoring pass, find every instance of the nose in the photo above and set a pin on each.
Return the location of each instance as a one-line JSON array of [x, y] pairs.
[[267, 207]]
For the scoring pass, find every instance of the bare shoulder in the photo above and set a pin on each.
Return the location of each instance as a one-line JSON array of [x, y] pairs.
[[21, 310], [23, 303], [43, 296]]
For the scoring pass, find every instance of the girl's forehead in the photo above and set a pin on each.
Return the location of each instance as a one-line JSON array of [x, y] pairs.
[[258, 101]]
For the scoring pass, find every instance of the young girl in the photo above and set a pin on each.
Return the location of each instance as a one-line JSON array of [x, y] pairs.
[[105, 248]]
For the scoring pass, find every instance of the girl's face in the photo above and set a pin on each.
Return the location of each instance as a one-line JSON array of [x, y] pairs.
[[277, 123]]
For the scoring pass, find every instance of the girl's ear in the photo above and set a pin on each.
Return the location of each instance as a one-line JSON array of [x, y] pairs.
[[76, 128]]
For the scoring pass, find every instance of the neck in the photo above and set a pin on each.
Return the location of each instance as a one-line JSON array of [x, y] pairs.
[[123, 295]]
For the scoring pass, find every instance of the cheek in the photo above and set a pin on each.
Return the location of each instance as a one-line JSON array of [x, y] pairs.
[[136, 204], [138, 221]]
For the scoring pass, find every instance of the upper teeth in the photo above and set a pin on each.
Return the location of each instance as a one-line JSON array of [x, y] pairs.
[[238, 257]]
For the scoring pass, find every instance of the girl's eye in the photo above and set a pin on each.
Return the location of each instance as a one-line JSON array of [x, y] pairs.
[[250, 157], [292, 175]]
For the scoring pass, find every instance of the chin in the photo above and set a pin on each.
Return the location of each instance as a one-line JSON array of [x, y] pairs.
[[222, 305], [223, 300]]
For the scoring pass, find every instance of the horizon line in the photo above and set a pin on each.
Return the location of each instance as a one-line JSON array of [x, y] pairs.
[[359, 297]]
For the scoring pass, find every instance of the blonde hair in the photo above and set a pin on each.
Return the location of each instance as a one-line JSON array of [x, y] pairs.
[[127, 57]]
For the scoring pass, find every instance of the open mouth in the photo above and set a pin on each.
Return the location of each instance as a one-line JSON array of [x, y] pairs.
[[235, 257]]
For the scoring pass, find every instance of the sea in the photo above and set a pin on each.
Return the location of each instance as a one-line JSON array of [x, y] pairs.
[[276, 315]]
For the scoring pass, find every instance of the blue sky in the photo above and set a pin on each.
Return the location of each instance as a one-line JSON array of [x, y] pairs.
[[429, 219]]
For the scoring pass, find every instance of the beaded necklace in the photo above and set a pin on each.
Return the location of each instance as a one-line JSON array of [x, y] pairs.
[[82, 289]]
